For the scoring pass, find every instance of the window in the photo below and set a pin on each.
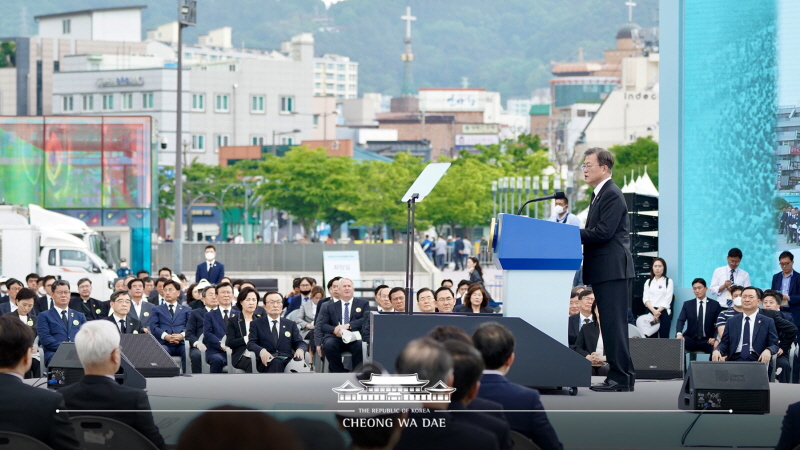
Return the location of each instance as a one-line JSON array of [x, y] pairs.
[[232, 67], [221, 104], [316, 119], [352, 87], [319, 65], [330, 66], [67, 103], [66, 26], [88, 102], [257, 104], [287, 104], [108, 102], [329, 86], [329, 76], [317, 76], [147, 100], [317, 85], [198, 102], [286, 141], [340, 67], [352, 77], [353, 67], [127, 101], [581, 113], [76, 258], [340, 77], [198, 142], [222, 140], [257, 140], [340, 87]]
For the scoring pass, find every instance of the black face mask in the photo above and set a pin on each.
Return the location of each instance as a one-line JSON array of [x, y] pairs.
[[305, 293]]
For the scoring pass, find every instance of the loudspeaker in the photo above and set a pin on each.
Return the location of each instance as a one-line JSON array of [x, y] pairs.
[[66, 369], [148, 356], [657, 359], [742, 387]]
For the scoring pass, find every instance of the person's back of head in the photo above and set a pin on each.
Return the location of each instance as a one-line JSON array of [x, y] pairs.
[[218, 429], [383, 431], [468, 368], [16, 340], [316, 434], [97, 344], [428, 359], [444, 333], [495, 343]]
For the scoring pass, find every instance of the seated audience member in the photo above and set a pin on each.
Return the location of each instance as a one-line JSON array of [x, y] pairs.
[[772, 301], [657, 296], [238, 330], [444, 300], [307, 313], [333, 289], [141, 309], [461, 290], [275, 339], [590, 344], [397, 295], [91, 308], [45, 302], [25, 409], [425, 301], [120, 307], [348, 314], [573, 300], [168, 322], [14, 287], [59, 323], [97, 344], [25, 301], [193, 298], [289, 299], [699, 315], [583, 317], [496, 344], [477, 301], [194, 326], [749, 336], [430, 361], [32, 281], [467, 371], [156, 296], [727, 313], [219, 429], [382, 299], [215, 325], [382, 436], [306, 284], [446, 283], [787, 334], [790, 429]]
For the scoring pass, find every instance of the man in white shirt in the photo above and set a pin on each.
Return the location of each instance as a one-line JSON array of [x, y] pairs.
[[140, 307], [727, 276], [561, 213]]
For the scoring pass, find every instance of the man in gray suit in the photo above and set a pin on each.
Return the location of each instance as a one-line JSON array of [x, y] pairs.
[[141, 309]]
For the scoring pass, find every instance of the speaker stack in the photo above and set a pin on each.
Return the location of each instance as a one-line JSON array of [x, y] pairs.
[[643, 216], [740, 387]]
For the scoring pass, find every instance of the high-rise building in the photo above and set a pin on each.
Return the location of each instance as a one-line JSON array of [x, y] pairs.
[[335, 76]]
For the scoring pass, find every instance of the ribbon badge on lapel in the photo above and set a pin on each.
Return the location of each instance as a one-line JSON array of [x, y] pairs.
[[146, 314], [358, 310], [287, 334], [75, 322], [97, 311], [30, 322]]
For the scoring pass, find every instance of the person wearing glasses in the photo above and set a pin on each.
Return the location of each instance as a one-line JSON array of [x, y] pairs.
[[120, 307], [59, 323], [445, 301], [275, 339]]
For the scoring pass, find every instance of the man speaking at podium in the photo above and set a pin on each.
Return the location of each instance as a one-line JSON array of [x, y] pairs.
[[608, 266]]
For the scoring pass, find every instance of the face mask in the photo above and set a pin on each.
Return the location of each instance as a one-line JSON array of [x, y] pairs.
[[737, 301], [210, 256], [123, 265], [305, 293], [236, 292], [559, 209], [42, 291], [3, 288]]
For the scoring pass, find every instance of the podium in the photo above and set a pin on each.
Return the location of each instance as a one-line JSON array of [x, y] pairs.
[[539, 259]]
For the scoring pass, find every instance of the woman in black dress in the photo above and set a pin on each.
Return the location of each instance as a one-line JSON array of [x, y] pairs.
[[476, 301]]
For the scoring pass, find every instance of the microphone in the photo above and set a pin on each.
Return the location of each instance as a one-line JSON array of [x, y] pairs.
[[556, 195]]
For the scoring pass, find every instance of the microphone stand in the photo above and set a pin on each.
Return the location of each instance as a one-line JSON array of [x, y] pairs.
[[412, 207]]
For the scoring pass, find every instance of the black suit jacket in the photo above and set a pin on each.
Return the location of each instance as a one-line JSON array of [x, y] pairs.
[[787, 331], [236, 337], [38, 418], [765, 336], [96, 392], [574, 329], [790, 430], [586, 343], [318, 333], [261, 337], [93, 309], [689, 317], [194, 327], [468, 310], [456, 434], [131, 325], [499, 428], [31, 320], [41, 304], [483, 404], [331, 316], [606, 238]]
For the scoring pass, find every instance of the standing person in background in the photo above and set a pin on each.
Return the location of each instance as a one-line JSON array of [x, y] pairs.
[[475, 271], [458, 252], [726, 276], [657, 296], [427, 247], [123, 270], [561, 213], [210, 270], [467, 251], [441, 252]]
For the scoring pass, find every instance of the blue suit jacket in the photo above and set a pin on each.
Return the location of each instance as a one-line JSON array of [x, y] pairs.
[[213, 277], [794, 293], [790, 430], [292, 303], [194, 327], [512, 396], [214, 328], [765, 335], [162, 322], [52, 332]]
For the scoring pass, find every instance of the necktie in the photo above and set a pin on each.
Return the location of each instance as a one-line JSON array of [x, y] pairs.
[[122, 327], [172, 310], [275, 330], [64, 319], [209, 268], [700, 315], [225, 315], [51, 302], [346, 318], [592, 200], [730, 303], [732, 270], [746, 337], [586, 322], [305, 299]]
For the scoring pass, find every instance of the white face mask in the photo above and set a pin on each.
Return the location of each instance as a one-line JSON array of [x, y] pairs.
[[42, 291], [235, 293], [3, 288], [210, 256], [737, 301], [559, 209], [123, 265]]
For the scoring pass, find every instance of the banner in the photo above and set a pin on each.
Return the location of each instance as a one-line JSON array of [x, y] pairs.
[[345, 264]]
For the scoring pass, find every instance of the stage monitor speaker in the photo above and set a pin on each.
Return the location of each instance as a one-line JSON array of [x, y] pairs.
[[148, 356], [657, 359], [65, 369], [741, 387]]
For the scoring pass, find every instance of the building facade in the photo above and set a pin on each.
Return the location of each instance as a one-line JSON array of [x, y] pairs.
[[335, 76]]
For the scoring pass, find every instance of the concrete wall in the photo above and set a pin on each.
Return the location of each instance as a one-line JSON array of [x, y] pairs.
[[80, 27], [118, 25], [8, 91]]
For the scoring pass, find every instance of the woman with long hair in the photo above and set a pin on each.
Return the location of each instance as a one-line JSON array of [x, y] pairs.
[[193, 296], [657, 296], [476, 301], [475, 270]]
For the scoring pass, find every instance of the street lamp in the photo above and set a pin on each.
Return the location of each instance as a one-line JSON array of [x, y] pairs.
[[325, 126], [280, 133]]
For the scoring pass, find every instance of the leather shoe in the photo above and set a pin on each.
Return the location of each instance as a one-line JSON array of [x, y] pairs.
[[612, 386]]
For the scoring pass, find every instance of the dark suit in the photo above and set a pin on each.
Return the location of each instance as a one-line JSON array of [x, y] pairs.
[[458, 253], [317, 331], [330, 317], [483, 404], [147, 312], [455, 434], [214, 328], [32, 411], [787, 334], [794, 293], [95, 392], [498, 427], [214, 276], [161, 321], [194, 328], [42, 304], [608, 268], [691, 341], [93, 309], [5, 308], [512, 396], [586, 344], [790, 430], [295, 302], [31, 322], [261, 338], [132, 326], [574, 329], [765, 336], [237, 340], [52, 333]]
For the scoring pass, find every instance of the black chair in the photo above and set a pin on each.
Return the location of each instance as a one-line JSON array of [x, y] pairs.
[[521, 442], [102, 433], [16, 441]]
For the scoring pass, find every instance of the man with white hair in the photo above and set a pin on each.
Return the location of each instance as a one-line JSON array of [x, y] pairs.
[[97, 344], [348, 314]]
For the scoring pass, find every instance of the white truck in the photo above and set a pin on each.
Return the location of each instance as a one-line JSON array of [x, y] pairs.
[[26, 248]]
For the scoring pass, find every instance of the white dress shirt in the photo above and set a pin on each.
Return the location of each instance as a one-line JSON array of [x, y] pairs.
[[658, 292], [723, 274], [117, 319], [582, 320], [599, 187], [752, 327]]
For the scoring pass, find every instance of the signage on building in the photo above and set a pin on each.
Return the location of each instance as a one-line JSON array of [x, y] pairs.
[[120, 82], [794, 150], [470, 140], [452, 100], [479, 128], [641, 96]]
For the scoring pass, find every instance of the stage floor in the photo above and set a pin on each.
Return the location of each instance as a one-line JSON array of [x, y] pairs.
[[645, 419]]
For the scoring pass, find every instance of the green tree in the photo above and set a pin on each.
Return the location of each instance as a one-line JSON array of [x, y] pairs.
[[634, 157]]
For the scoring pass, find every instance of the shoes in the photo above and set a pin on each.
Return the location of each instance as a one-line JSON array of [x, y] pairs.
[[611, 386]]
